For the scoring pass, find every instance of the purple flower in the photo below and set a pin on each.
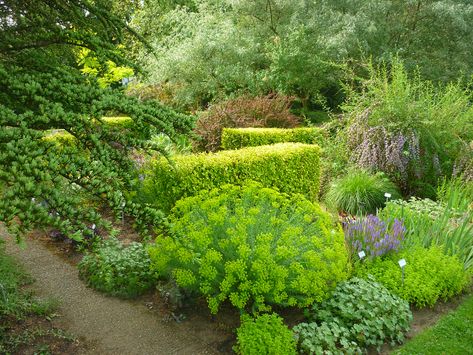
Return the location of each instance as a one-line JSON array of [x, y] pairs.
[[374, 236]]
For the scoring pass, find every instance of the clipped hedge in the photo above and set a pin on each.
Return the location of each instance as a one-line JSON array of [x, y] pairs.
[[236, 138], [290, 167]]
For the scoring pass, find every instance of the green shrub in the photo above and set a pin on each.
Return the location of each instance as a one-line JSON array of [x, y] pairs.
[[291, 167], [252, 246], [360, 313], [118, 270], [441, 223], [407, 128], [266, 334], [360, 192], [272, 110], [429, 275], [236, 138]]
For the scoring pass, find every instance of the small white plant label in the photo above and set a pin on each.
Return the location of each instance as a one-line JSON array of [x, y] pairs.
[[387, 195], [361, 254], [93, 226], [402, 263]]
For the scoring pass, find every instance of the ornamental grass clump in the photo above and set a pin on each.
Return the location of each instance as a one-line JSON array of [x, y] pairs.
[[253, 247], [360, 192], [374, 236]]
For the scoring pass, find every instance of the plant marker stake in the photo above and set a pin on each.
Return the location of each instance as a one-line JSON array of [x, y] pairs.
[[123, 212], [93, 229], [361, 255], [402, 263], [387, 195]]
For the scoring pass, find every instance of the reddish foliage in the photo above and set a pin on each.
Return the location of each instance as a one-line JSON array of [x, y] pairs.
[[265, 111]]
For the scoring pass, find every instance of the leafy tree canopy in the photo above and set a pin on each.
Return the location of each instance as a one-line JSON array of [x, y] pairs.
[[44, 89], [210, 49]]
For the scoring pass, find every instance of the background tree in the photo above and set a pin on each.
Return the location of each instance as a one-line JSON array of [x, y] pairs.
[[43, 89], [212, 49]]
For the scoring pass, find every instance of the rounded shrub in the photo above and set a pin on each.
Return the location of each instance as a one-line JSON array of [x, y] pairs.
[[360, 192], [266, 334], [360, 313], [429, 275], [253, 246], [118, 270]]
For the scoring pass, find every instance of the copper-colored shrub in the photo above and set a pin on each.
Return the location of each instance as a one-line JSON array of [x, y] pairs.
[[272, 110]]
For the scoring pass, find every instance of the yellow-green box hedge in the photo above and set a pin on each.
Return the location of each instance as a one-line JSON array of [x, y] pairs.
[[291, 167], [236, 138]]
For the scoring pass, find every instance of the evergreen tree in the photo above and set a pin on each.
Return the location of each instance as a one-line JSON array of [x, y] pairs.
[[43, 183]]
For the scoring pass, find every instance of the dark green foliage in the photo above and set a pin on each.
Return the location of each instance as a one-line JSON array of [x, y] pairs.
[[291, 167], [360, 192], [43, 89], [236, 138], [252, 246], [360, 314], [265, 334], [117, 269], [430, 275]]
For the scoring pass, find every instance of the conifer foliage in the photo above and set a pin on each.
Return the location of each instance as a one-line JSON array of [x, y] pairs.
[[43, 90]]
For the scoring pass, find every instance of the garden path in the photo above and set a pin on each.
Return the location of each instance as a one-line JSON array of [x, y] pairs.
[[108, 325]]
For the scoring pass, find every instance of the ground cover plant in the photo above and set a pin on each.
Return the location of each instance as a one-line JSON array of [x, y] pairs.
[[360, 192], [265, 334], [453, 334], [429, 275], [117, 269], [253, 247], [22, 315], [290, 167], [359, 314]]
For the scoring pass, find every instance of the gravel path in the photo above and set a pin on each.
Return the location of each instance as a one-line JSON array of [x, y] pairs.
[[109, 325]]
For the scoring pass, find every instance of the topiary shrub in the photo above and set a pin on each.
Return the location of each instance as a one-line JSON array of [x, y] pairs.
[[265, 334], [429, 275], [360, 314], [118, 270], [360, 192], [252, 246], [291, 167], [236, 138], [265, 111]]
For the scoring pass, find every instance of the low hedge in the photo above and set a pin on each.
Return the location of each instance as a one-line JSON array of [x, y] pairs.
[[290, 167], [236, 138]]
